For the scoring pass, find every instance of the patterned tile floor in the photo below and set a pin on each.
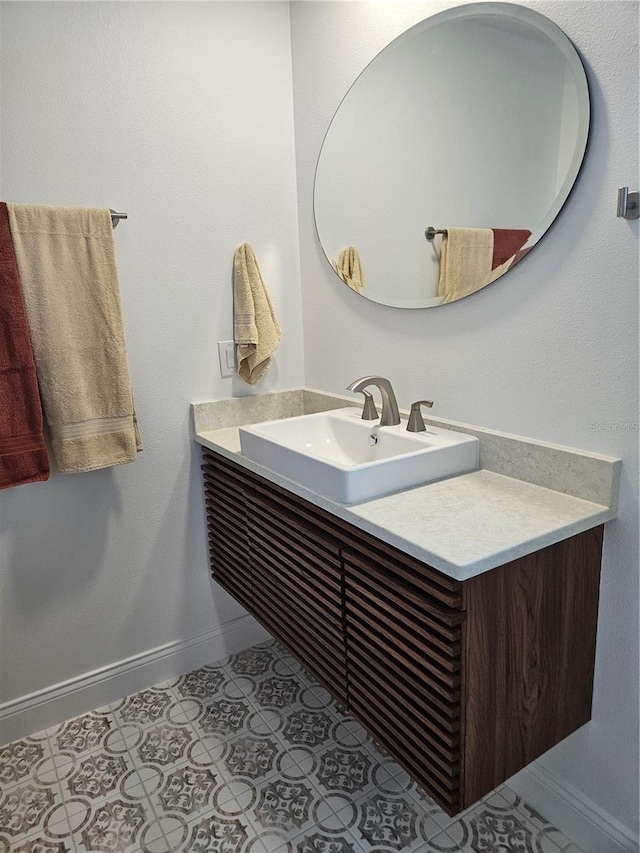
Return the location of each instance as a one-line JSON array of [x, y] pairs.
[[247, 755]]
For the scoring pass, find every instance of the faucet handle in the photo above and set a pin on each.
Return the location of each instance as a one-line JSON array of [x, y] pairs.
[[415, 422], [369, 411]]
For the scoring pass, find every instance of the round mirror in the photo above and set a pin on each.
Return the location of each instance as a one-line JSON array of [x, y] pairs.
[[451, 155]]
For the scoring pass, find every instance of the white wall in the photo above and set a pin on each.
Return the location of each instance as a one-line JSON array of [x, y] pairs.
[[181, 115], [548, 351]]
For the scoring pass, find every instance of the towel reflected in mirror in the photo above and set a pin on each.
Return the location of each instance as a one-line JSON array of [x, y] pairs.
[[349, 268], [472, 258]]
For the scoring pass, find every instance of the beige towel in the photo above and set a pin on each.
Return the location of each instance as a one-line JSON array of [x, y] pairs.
[[255, 328], [349, 268], [465, 262], [66, 259]]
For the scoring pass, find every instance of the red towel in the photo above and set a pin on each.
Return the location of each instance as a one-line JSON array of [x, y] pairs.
[[506, 243], [23, 454]]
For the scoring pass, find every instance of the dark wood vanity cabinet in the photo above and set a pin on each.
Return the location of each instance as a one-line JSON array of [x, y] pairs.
[[463, 682]]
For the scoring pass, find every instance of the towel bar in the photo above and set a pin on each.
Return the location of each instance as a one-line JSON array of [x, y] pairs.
[[431, 232], [116, 217]]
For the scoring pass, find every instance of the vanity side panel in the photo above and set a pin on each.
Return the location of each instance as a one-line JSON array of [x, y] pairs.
[[530, 652]]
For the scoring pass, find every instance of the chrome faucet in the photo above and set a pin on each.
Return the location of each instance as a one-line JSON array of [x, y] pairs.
[[390, 414]]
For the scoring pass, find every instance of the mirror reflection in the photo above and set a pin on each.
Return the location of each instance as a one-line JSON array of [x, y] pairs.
[[451, 155]]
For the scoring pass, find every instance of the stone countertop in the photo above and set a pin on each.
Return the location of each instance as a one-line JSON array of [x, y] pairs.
[[462, 526]]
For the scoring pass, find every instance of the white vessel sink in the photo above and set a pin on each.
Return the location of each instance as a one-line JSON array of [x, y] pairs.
[[339, 455]]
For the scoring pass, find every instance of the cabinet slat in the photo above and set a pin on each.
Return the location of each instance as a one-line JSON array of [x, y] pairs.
[[398, 572], [327, 667], [284, 569], [218, 492], [218, 467], [446, 702], [351, 537], [221, 527], [373, 640], [300, 605], [220, 505], [318, 655], [430, 580], [379, 586], [282, 534], [377, 711], [234, 555], [228, 570], [419, 694], [295, 530], [335, 684], [408, 701], [406, 632], [324, 573], [413, 725], [410, 759], [219, 482], [304, 596], [287, 502]]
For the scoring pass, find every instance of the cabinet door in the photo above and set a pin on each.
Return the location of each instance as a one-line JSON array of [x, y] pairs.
[[404, 642], [225, 507], [297, 584]]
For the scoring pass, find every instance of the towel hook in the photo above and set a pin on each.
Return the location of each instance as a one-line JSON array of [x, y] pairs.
[[628, 206]]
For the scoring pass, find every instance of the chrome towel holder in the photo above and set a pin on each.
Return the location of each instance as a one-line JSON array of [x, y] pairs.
[[628, 203], [431, 232], [116, 217]]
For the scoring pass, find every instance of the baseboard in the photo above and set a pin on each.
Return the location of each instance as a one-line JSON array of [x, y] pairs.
[[588, 825], [36, 711]]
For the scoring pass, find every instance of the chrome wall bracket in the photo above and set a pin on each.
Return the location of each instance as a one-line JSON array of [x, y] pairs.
[[116, 217], [628, 203]]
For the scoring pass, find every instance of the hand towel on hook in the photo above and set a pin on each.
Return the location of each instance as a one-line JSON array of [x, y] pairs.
[[256, 330]]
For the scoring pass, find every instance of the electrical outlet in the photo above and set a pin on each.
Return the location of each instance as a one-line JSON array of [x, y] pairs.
[[227, 356]]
